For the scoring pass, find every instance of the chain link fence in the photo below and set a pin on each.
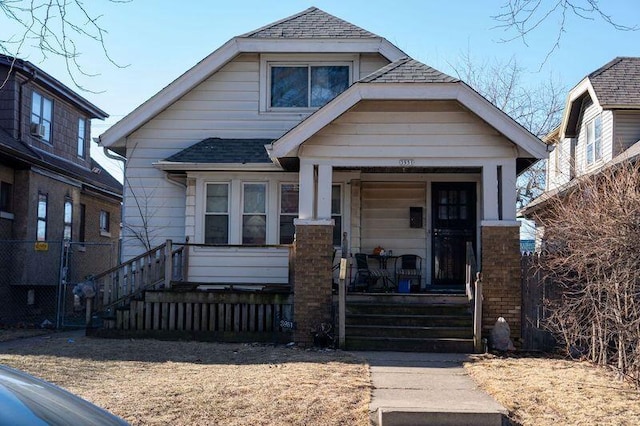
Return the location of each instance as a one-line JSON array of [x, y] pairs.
[[37, 281]]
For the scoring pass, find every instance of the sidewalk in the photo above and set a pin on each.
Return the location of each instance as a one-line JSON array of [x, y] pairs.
[[427, 389]]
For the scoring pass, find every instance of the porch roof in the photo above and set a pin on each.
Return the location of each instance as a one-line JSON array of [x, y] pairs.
[[212, 153], [407, 79]]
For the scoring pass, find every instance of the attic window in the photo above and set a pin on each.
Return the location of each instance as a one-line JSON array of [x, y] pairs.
[[594, 140], [306, 85]]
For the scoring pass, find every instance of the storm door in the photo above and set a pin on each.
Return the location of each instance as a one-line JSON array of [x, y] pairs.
[[453, 225]]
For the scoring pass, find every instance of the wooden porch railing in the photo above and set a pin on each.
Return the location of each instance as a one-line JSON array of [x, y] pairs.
[[473, 286], [154, 269]]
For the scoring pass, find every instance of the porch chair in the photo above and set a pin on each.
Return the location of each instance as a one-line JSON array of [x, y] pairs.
[[409, 267], [366, 278]]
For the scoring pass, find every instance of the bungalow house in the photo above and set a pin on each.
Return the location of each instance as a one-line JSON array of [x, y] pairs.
[[307, 130], [600, 128]]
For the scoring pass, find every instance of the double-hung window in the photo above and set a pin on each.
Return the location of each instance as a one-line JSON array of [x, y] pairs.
[[81, 136], [6, 197], [68, 219], [41, 229], [254, 213], [594, 140], [216, 219], [288, 211], [41, 111], [296, 85]]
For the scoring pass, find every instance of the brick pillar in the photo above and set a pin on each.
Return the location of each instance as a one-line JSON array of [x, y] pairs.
[[501, 278], [313, 250]]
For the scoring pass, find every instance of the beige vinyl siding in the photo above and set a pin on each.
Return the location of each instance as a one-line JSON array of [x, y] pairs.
[[626, 130], [397, 129], [385, 217], [559, 164], [371, 62], [589, 112], [230, 265]]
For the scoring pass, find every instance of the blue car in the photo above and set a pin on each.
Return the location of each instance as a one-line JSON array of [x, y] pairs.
[[27, 400]]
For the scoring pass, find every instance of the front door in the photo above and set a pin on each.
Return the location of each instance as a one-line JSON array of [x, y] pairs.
[[453, 225]]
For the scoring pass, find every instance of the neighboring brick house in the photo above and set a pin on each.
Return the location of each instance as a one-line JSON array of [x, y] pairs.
[[600, 127], [309, 128], [51, 190]]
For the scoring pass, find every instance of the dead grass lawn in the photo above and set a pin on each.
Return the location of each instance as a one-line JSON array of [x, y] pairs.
[[191, 383], [543, 391]]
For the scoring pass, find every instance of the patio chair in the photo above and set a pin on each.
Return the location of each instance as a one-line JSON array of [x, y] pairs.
[[409, 267], [366, 277]]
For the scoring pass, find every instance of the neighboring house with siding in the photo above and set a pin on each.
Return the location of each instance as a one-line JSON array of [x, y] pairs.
[[312, 127], [51, 190], [600, 127]]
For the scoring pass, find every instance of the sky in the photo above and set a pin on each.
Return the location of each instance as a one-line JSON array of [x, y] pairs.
[[155, 41]]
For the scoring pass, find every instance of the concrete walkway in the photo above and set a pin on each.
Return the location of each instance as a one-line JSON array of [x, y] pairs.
[[427, 389]]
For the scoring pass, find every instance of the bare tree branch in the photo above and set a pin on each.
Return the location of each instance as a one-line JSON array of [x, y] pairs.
[[56, 28], [520, 18], [536, 108]]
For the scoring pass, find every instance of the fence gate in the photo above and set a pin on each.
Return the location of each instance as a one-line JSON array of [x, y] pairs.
[[536, 289], [37, 280]]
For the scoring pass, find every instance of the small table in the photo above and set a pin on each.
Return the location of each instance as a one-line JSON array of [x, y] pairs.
[[383, 260]]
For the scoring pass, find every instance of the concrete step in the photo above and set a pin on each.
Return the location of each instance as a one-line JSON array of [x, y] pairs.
[[424, 417], [407, 309], [411, 320], [394, 331], [451, 345]]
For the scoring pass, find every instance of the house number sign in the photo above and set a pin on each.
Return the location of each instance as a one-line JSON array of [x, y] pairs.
[[406, 161]]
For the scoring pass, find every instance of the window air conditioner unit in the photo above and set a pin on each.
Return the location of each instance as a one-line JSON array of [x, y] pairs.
[[37, 130]]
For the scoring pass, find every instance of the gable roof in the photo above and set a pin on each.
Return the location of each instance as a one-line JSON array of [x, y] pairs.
[[408, 79], [408, 70], [310, 31], [617, 83], [310, 23]]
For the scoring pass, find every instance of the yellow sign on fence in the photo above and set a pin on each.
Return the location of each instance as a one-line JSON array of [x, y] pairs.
[[41, 246]]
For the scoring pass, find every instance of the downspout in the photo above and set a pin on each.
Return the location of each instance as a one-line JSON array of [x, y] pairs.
[[111, 156], [34, 75]]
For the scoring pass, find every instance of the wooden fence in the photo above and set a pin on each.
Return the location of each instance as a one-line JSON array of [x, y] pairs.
[[537, 290], [228, 315]]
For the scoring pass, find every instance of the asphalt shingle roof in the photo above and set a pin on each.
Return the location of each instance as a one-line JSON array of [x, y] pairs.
[[310, 23], [617, 82], [224, 151], [101, 178], [408, 70]]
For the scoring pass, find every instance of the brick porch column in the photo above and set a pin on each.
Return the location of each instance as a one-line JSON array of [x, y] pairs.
[[312, 277], [501, 276]]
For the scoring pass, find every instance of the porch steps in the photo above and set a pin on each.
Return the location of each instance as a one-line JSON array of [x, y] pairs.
[[409, 323]]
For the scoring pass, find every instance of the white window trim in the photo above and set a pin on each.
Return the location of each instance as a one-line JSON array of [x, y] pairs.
[[228, 213], [67, 202], [105, 232], [591, 125], [266, 208], [268, 60]]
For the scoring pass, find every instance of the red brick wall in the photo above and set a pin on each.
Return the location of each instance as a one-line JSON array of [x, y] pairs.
[[501, 278], [311, 279]]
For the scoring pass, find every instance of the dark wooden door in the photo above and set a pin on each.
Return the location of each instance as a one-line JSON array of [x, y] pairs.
[[453, 225]]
